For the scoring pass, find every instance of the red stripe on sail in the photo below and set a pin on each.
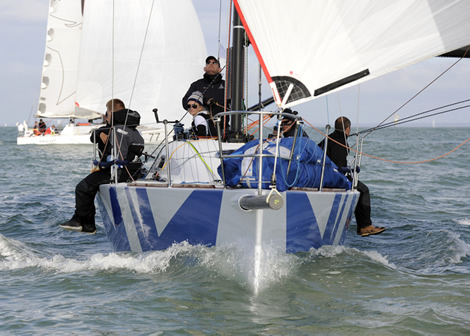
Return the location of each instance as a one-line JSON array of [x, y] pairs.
[[253, 42]]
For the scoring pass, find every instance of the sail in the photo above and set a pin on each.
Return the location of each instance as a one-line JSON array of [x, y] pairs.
[[309, 48], [144, 52], [59, 75]]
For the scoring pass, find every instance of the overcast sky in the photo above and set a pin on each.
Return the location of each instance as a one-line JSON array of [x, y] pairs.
[[22, 37]]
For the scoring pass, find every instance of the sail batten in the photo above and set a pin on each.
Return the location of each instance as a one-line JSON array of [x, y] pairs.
[[321, 43], [341, 82]]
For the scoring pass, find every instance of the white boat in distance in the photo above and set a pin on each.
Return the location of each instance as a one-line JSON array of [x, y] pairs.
[[139, 56], [186, 196], [57, 99]]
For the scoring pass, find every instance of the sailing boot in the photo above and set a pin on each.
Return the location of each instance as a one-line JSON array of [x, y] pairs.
[[73, 224], [88, 225], [80, 225]]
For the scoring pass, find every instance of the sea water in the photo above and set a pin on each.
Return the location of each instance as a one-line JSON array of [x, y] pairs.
[[414, 279]]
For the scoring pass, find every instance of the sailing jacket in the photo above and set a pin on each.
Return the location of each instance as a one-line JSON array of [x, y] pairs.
[[128, 142], [103, 148], [203, 125], [337, 153], [211, 87]]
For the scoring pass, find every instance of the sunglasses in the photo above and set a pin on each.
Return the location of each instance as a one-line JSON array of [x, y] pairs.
[[212, 62], [286, 123], [194, 106]]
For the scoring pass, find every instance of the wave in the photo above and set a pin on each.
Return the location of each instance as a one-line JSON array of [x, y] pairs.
[[463, 221], [16, 255], [255, 269], [436, 252], [333, 251]]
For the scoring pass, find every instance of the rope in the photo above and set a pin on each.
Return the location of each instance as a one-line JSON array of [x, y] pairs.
[[199, 154], [227, 62], [220, 29], [278, 136], [255, 123], [185, 143]]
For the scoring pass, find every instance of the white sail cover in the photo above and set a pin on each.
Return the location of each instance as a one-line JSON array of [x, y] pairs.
[[59, 75], [144, 52], [308, 48]]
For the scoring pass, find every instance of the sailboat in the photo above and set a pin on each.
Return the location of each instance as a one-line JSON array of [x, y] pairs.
[[137, 51], [307, 49], [57, 100]]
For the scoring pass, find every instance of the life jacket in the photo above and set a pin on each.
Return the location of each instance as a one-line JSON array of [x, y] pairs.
[[212, 130], [133, 169], [135, 149], [126, 117]]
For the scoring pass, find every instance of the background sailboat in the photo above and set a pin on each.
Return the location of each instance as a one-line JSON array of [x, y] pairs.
[[138, 52], [59, 78], [141, 53]]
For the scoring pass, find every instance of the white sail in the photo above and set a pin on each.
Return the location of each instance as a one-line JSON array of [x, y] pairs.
[[59, 75], [308, 48], [144, 52]]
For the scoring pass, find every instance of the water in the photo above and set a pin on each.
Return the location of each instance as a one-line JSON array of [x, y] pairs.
[[414, 279]]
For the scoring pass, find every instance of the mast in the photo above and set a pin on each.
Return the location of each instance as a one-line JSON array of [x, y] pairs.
[[236, 73]]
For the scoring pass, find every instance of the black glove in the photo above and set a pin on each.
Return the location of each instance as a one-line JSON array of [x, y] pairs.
[[346, 170]]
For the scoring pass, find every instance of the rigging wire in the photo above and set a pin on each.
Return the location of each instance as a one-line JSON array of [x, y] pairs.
[[419, 92], [115, 145], [387, 160], [227, 60], [327, 110], [220, 29], [112, 95], [415, 117]]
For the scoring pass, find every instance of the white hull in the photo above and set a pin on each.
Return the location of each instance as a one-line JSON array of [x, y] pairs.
[[145, 217], [74, 134], [194, 207]]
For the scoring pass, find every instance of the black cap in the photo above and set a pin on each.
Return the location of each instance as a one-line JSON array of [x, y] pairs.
[[288, 111], [212, 58]]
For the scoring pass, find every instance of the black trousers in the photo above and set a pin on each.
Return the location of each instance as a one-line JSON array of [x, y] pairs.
[[87, 189], [85, 193], [362, 212]]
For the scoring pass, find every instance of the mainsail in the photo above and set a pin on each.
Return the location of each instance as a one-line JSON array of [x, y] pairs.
[[308, 48], [145, 52], [59, 75]]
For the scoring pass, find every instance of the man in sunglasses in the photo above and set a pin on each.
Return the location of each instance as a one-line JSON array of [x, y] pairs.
[[288, 124], [212, 87], [338, 150]]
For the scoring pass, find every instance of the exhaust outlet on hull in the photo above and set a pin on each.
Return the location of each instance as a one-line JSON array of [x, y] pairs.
[[272, 201]]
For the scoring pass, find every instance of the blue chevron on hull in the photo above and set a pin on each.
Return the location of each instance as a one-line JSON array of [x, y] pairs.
[[145, 218]]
